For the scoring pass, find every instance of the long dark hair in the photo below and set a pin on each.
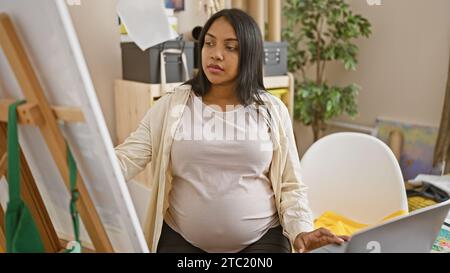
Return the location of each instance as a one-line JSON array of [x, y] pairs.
[[250, 72]]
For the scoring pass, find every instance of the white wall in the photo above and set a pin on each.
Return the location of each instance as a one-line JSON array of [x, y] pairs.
[[403, 66], [98, 32]]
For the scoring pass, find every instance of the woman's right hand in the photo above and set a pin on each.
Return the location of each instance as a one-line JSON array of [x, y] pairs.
[[307, 241]]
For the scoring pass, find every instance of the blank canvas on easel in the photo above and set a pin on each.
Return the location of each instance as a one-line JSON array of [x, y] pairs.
[[46, 30]]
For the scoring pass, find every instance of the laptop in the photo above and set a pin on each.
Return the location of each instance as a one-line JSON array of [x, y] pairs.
[[412, 233]]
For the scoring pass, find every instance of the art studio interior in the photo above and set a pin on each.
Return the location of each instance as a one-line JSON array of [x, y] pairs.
[[225, 126]]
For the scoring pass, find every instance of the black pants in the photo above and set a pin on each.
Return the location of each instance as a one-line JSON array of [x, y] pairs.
[[272, 242]]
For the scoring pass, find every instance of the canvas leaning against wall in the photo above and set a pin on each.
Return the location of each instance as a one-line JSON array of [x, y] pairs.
[[418, 146]]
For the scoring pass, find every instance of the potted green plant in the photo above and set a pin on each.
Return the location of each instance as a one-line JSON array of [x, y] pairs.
[[320, 31]]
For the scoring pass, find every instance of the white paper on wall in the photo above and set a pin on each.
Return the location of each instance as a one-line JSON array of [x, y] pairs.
[[146, 22]]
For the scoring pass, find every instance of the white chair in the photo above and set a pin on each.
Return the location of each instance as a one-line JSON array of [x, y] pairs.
[[355, 175]]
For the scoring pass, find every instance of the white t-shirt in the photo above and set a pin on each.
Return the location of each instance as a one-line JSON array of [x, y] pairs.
[[221, 198]]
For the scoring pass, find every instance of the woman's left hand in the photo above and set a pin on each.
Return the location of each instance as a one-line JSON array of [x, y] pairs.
[[307, 241]]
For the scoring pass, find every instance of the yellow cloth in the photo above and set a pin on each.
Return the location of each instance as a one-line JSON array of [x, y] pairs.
[[341, 225], [418, 202]]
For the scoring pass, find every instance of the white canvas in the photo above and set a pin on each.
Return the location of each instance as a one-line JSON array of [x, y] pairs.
[[47, 33]]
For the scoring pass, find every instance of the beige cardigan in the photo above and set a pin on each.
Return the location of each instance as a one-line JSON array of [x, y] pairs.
[[152, 142]]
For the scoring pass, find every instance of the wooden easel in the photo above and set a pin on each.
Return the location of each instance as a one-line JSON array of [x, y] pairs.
[[37, 112]]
